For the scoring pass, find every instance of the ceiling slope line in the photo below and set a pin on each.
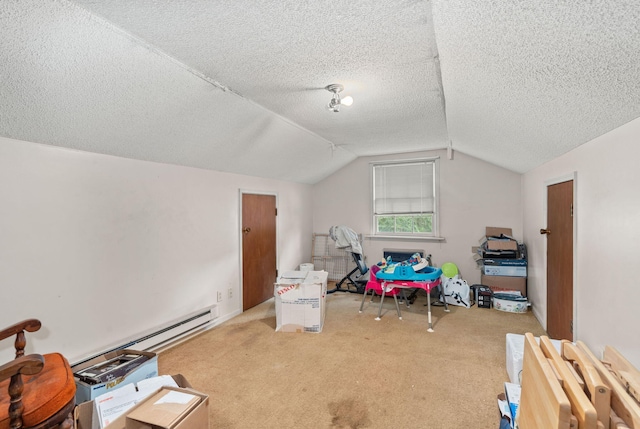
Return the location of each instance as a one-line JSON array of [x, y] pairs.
[[438, 70], [153, 49]]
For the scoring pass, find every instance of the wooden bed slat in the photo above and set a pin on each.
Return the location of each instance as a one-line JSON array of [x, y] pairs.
[[621, 403], [598, 390], [543, 403], [581, 407]]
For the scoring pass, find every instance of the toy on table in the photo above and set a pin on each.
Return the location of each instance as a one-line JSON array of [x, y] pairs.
[[407, 273], [416, 261]]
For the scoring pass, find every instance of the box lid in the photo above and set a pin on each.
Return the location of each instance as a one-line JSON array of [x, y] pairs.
[[164, 409], [316, 276], [297, 277], [493, 231]]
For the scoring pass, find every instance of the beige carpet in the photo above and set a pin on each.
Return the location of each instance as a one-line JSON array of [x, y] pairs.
[[357, 373]]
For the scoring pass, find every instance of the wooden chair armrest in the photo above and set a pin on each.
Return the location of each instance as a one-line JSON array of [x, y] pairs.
[[27, 365], [29, 325]]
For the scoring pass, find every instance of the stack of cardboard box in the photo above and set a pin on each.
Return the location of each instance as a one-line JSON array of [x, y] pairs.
[[502, 260]]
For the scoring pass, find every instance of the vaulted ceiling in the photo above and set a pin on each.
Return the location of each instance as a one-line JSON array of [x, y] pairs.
[[239, 85]]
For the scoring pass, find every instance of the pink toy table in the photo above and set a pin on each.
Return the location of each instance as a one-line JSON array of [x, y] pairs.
[[405, 277]]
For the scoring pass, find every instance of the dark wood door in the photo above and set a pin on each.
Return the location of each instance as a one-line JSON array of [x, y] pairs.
[[258, 248], [560, 260]]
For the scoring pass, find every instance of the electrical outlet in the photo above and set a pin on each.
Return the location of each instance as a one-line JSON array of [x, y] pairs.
[[230, 293], [219, 296]]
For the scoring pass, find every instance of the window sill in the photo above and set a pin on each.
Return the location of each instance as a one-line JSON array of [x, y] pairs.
[[403, 237]]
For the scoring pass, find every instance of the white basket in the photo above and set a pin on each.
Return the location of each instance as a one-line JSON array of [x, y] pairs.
[[510, 306]]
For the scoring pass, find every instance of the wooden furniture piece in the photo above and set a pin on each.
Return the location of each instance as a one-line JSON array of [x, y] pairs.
[[598, 391], [572, 389], [581, 407], [543, 403], [624, 371], [41, 388], [622, 403]]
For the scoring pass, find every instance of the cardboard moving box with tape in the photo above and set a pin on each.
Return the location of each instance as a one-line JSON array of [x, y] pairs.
[[184, 416], [300, 301]]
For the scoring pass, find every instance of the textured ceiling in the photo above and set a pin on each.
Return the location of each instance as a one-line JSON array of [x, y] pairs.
[[527, 81], [238, 86]]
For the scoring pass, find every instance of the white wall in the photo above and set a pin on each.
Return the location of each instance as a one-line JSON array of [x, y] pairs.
[[473, 194], [607, 242], [101, 248]]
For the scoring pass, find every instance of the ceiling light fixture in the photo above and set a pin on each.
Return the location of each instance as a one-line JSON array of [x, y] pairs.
[[336, 101]]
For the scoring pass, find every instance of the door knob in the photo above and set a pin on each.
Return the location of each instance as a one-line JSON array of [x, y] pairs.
[[246, 230], [545, 231]]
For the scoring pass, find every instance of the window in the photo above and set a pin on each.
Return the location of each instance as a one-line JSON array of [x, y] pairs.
[[405, 197]]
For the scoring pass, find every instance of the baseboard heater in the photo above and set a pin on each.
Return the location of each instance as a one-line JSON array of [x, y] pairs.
[[173, 331], [167, 333]]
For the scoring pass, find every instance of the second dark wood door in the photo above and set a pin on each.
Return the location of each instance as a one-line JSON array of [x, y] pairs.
[[560, 261], [258, 248]]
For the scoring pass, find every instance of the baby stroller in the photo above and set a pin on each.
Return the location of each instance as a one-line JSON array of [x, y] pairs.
[[347, 239]]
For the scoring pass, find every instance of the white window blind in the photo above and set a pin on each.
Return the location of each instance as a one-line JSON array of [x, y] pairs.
[[405, 188], [405, 198]]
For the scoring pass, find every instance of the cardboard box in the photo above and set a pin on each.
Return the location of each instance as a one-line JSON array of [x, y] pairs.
[[494, 231], [505, 267], [503, 283], [84, 412], [87, 392], [505, 262], [504, 271], [170, 408], [502, 245], [300, 301], [506, 242]]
